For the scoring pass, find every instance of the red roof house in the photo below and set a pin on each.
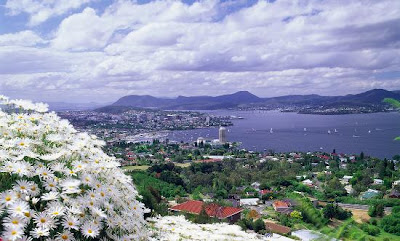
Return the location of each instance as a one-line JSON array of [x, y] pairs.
[[282, 206], [212, 210]]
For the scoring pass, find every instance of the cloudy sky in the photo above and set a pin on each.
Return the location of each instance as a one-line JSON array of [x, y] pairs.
[[100, 50]]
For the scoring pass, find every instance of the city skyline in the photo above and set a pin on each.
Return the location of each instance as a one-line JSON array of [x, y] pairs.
[[99, 51]]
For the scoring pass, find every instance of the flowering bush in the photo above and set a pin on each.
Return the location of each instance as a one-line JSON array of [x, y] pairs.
[[57, 184], [178, 228]]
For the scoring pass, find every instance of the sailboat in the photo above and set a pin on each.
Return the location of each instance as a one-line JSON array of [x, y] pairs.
[[305, 129], [329, 131], [336, 130], [369, 132], [271, 131]]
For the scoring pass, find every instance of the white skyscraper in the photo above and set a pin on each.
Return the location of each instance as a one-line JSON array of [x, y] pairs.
[[222, 134]]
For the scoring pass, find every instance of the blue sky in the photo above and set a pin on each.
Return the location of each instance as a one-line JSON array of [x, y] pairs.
[[100, 50]]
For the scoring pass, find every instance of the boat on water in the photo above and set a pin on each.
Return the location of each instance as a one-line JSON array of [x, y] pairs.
[[336, 131], [271, 131], [369, 132], [305, 129], [355, 136], [329, 132]]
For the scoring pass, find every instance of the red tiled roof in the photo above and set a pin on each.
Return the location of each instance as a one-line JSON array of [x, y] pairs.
[[277, 228], [212, 210], [264, 191], [280, 204]]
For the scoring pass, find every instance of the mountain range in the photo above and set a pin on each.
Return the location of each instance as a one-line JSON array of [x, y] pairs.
[[245, 99]]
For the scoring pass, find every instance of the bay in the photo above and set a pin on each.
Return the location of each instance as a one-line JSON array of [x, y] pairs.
[[372, 134]]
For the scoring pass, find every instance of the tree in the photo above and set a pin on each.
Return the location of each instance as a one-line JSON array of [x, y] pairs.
[[259, 226], [296, 215], [252, 214], [391, 223], [376, 210], [329, 211], [202, 217]]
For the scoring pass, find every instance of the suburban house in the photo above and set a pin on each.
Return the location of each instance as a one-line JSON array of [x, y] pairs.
[[277, 228], [394, 194], [249, 201], [378, 181], [282, 207], [231, 214], [371, 193], [346, 179], [256, 185], [264, 192], [308, 182]]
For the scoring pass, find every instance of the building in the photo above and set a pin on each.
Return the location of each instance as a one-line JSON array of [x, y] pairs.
[[308, 182], [207, 123], [378, 181], [371, 193], [346, 179], [395, 183], [231, 214], [277, 228], [282, 207], [200, 141], [249, 201], [394, 194], [222, 134]]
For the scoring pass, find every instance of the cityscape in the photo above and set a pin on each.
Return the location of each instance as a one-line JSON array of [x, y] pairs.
[[200, 120]]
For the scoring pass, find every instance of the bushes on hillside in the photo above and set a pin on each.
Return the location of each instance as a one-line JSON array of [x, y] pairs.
[[334, 211], [391, 223]]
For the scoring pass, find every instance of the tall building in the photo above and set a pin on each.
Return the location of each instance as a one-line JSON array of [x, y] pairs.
[[207, 121], [222, 134]]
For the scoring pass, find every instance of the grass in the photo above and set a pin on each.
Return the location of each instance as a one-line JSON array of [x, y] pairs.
[[349, 230]]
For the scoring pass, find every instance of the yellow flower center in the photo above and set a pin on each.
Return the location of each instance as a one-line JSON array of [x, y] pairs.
[[13, 232], [64, 236], [90, 231], [8, 198], [42, 220], [15, 221]]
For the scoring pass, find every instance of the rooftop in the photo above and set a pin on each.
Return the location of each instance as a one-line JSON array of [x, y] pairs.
[[212, 209]]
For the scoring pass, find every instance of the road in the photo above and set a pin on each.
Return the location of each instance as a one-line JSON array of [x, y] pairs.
[[360, 206]]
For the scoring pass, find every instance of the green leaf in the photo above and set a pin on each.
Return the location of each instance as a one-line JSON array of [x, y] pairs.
[[393, 102]]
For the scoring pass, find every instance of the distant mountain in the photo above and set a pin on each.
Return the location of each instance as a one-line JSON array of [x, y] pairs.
[[192, 103], [245, 99]]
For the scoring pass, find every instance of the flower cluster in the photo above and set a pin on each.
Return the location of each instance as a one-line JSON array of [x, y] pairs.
[[57, 184], [178, 228]]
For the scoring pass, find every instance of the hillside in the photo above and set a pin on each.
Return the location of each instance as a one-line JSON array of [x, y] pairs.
[[244, 99]]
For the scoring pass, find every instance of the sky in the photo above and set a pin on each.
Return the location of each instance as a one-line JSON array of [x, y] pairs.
[[101, 50]]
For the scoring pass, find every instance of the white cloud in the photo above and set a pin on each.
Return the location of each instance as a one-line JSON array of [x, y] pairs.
[[169, 48], [23, 38], [40, 11]]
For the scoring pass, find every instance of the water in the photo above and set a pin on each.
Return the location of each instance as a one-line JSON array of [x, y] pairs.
[[371, 133]]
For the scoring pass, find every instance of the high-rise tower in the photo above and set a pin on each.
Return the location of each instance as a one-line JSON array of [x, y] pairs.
[[222, 134]]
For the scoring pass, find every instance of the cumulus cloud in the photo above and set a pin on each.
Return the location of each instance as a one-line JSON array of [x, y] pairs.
[[23, 38], [40, 11], [170, 48]]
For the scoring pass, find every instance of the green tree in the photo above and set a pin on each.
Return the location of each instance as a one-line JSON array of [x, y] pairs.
[[259, 226]]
